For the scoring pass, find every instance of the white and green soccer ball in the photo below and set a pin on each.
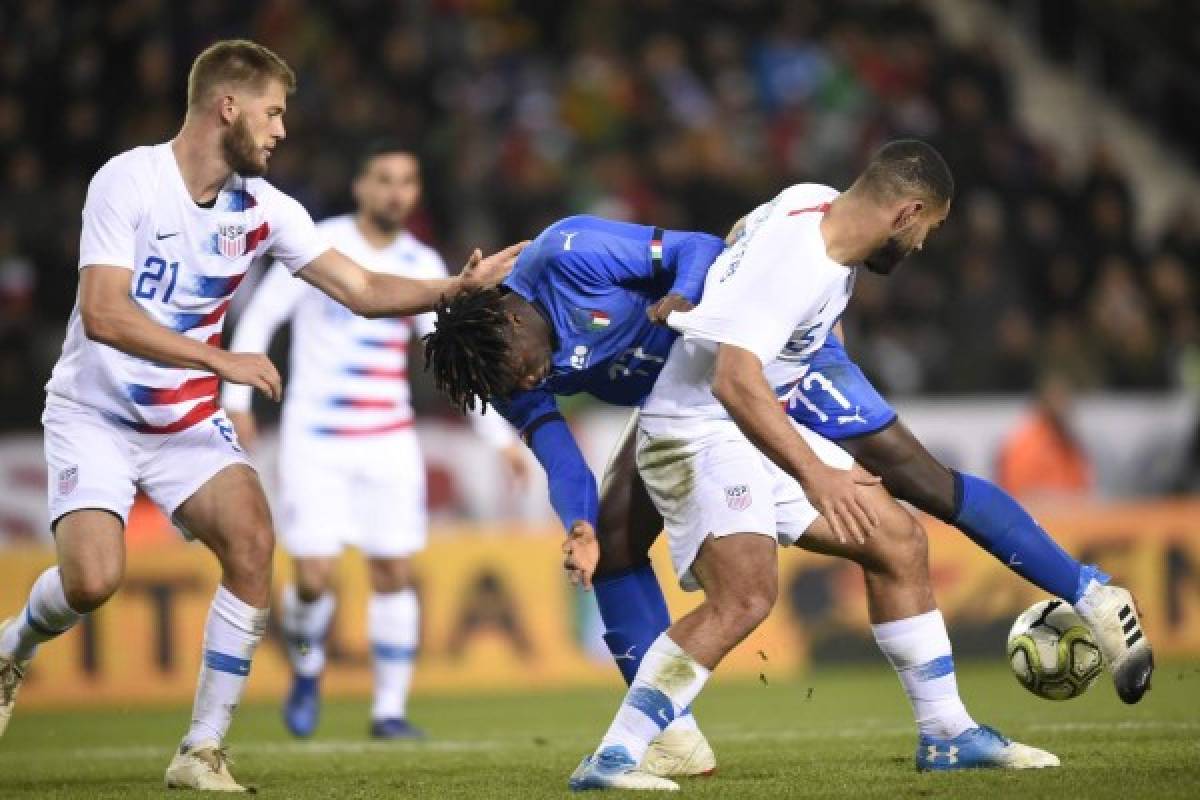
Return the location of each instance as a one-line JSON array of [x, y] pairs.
[[1052, 651]]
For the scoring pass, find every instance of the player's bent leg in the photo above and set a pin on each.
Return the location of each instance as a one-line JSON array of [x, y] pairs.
[[91, 557], [393, 628], [631, 601], [307, 608], [997, 523], [229, 514], [738, 573], [91, 562], [911, 633]]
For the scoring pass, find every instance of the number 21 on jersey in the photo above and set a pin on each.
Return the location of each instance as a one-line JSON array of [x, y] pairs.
[[151, 279]]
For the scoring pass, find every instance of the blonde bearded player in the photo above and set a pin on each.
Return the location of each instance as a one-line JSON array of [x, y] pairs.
[[350, 465], [168, 233]]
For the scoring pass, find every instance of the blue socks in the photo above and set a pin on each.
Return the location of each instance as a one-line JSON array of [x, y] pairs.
[[634, 612], [998, 524]]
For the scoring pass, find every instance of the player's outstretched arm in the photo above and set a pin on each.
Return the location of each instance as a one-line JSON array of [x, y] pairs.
[[740, 386], [375, 294], [111, 317]]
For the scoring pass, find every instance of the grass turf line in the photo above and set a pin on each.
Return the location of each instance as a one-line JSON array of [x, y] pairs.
[[852, 736]]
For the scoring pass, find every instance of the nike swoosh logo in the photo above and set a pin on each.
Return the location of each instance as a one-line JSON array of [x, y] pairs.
[[161, 236]]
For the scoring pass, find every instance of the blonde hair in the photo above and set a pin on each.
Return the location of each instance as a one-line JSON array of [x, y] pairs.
[[235, 63]]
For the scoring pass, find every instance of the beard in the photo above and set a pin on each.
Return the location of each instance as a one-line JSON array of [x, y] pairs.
[[887, 257], [240, 151], [385, 222]]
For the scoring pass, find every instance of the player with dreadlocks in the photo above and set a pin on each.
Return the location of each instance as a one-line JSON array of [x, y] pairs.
[[577, 315]]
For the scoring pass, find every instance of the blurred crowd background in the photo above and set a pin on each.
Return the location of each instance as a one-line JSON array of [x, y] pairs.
[[681, 114], [1047, 337]]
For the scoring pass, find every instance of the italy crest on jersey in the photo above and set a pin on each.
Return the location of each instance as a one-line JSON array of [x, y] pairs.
[[231, 239]]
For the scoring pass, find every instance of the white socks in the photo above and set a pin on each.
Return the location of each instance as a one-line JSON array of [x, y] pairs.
[[393, 621], [45, 616], [919, 649], [304, 629], [666, 683], [231, 635]]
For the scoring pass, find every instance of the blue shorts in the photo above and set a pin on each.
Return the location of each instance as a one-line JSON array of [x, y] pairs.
[[836, 400]]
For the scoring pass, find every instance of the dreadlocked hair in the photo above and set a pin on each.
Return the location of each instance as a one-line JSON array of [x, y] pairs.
[[468, 350]]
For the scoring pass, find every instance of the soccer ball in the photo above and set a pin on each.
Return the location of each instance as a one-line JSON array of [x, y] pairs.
[[1052, 652]]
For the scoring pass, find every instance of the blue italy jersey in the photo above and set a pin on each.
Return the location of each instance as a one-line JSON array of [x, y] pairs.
[[594, 279]]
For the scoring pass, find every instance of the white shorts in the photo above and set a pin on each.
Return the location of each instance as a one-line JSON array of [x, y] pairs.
[[367, 493], [714, 482], [95, 462]]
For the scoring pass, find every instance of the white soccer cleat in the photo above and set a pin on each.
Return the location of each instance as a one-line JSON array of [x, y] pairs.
[[679, 754], [12, 675], [614, 768], [1113, 617], [203, 766]]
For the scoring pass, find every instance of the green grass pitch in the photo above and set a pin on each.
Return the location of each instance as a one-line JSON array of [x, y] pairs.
[[833, 733]]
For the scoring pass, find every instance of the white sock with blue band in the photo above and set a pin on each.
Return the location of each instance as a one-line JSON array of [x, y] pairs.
[[46, 616], [231, 635], [393, 624], [919, 650], [666, 683]]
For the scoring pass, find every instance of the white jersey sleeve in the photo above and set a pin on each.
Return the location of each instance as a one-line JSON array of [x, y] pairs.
[[296, 242], [112, 214], [274, 301], [775, 292], [758, 295]]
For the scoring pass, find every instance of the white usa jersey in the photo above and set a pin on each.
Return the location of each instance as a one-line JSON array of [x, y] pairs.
[[349, 374], [774, 292], [187, 261]]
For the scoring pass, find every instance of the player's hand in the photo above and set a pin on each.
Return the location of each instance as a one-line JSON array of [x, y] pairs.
[[516, 464], [835, 493], [480, 272], [672, 302], [250, 369], [245, 426], [582, 553]]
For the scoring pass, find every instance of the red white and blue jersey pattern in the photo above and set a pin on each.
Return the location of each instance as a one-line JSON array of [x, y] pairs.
[[187, 261], [349, 374]]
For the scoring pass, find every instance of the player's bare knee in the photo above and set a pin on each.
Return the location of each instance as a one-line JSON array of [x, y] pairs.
[[388, 575], [904, 548], [247, 554], [740, 613], [88, 589]]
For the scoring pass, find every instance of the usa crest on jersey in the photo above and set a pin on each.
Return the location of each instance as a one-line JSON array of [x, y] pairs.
[[231, 239]]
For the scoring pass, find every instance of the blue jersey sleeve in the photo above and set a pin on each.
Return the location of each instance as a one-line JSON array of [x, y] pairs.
[[573, 492], [687, 256]]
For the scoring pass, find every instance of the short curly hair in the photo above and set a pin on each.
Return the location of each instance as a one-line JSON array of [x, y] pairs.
[[470, 349]]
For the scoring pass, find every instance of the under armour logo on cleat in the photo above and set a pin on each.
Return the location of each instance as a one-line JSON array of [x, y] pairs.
[[951, 754]]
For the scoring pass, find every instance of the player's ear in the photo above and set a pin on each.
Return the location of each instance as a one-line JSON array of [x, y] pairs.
[[227, 107], [907, 214]]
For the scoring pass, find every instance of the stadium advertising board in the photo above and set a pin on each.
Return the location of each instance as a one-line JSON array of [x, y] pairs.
[[499, 614]]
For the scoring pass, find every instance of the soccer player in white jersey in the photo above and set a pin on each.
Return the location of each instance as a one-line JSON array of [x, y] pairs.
[[350, 467], [734, 477], [168, 233]]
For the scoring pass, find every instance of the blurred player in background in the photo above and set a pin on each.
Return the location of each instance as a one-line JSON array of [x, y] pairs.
[[168, 233], [350, 466]]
